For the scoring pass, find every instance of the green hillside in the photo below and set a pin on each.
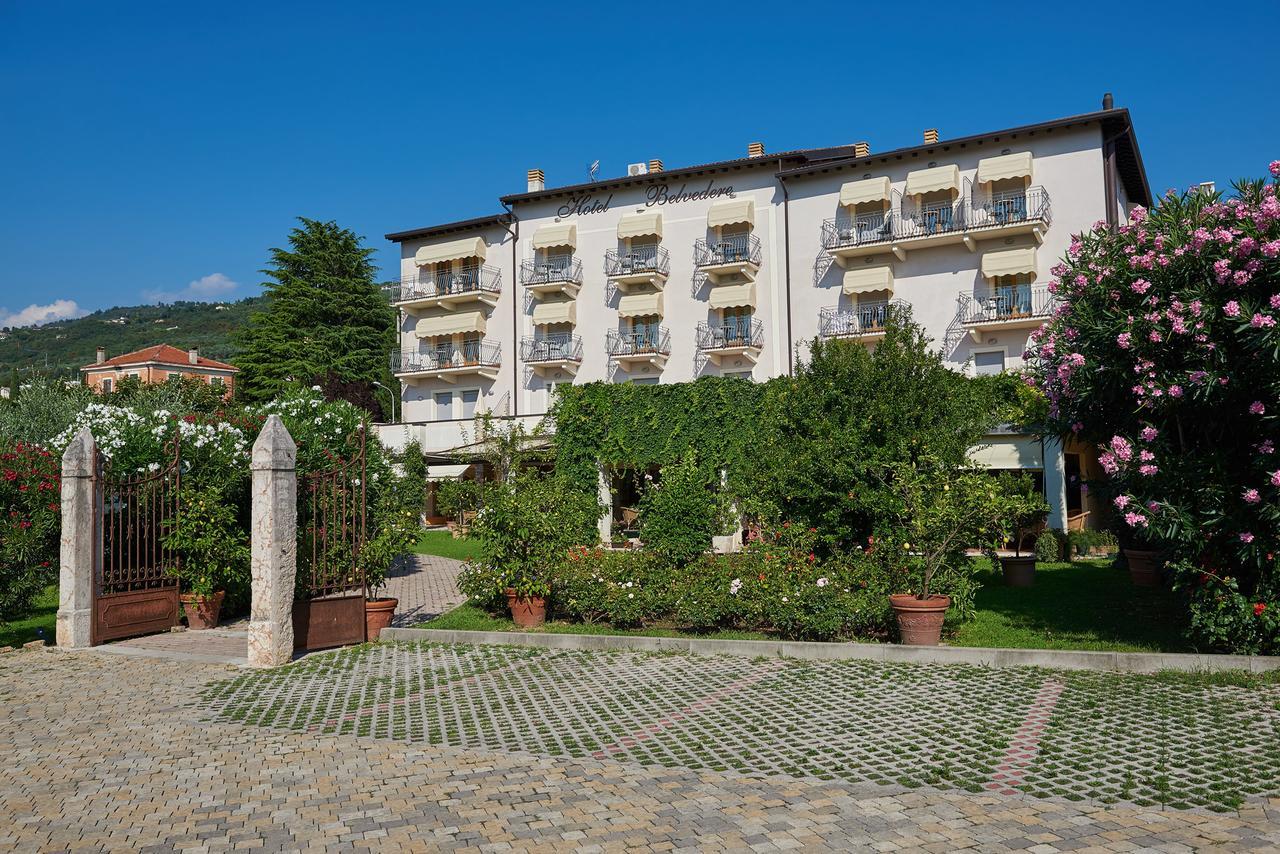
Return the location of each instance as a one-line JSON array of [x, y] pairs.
[[60, 349]]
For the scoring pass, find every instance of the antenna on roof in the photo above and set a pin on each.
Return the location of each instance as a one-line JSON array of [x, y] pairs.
[[595, 167]]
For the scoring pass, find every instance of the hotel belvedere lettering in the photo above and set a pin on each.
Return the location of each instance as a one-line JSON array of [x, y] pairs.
[[658, 194]]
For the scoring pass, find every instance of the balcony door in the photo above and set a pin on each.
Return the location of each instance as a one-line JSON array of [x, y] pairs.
[[735, 242], [1012, 295], [645, 333], [735, 325]]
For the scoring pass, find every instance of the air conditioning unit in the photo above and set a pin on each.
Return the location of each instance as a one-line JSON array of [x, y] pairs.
[[634, 169]]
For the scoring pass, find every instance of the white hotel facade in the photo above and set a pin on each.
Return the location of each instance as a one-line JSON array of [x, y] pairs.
[[732, 268]]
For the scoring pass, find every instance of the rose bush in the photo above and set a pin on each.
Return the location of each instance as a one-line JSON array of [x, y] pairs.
[[1164, 351]]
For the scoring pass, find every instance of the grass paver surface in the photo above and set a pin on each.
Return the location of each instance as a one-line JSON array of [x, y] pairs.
[[1149, 740]]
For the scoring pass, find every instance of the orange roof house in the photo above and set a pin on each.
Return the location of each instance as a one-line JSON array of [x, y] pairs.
[[156, 365]]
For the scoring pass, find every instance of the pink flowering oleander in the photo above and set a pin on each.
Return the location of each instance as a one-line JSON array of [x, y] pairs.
[[1231, 309], [1257, 408], [1149, 434], [1251, 496]]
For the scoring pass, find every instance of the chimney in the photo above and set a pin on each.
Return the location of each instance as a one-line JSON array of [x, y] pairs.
[[1108, 103], [655, 165], [193, 355], [931, 136], [537, 181], [102, 355], [861, 149], [755, 149]]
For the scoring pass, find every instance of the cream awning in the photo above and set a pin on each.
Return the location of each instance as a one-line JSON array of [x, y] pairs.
[[556, 234], [450, 324], [734, 296], [1009, 262], [640, 225], [451, 471], [565, 311], [640, 305], [932, 180], [472, 247], [866, 190], [732, 212], [863, 279], [1016, 165], [1009, 452]]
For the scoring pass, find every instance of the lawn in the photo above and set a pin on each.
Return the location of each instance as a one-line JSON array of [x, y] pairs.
[[443, 544], [39, 624]]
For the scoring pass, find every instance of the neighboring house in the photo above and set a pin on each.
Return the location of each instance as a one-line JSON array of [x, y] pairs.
[[731, 268], [156, 365]]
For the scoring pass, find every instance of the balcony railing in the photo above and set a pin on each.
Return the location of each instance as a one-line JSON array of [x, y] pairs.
[[735, 249], [429, 284], [850, 231], [560, 347], [445, 357], [864, 319], [1007, 304], [982, 211], [993, 210], [637, 261], [551, 270], [639, 342], [731, 334]]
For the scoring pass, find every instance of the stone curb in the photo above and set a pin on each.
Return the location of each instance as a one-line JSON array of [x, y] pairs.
[[1123, 662]]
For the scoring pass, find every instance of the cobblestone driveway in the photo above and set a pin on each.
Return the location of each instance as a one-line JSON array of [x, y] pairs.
[[110, 752]]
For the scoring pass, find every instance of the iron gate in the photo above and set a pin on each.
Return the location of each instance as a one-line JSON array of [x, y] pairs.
[[331, 534], [135, 579]]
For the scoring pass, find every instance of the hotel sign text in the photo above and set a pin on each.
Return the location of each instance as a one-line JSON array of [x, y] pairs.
[[658, 194]]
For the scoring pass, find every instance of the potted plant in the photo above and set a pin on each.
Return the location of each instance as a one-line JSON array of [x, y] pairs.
[[213, 554], [1024, 510], [1144, 566]]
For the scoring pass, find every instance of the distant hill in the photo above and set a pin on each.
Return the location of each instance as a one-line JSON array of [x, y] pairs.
[[60, 349]]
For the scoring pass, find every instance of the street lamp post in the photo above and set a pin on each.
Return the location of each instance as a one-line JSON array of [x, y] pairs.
[[393, 399]]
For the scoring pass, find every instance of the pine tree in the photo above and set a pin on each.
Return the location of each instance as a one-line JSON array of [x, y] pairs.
[[326, 320]]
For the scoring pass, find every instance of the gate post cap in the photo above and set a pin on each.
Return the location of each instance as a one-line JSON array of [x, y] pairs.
[[274, 448], [77, 459]]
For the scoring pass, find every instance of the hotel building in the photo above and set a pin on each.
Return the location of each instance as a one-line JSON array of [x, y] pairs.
[[731, 268]]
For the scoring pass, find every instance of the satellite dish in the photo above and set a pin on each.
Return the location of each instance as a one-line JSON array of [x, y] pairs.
[[595, 167]]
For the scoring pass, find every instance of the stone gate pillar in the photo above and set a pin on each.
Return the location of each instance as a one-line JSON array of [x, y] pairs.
[[274, 542], [79, 545]]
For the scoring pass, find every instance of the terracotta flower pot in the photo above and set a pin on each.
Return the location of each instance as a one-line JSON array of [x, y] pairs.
[[377, 616], [526, 611], [202, 611], [1144, 567], [919, 620], [1018, 571]]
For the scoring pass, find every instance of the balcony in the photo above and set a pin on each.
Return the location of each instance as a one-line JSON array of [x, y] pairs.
[[1010, 307], [864, 322], [562, 351], [915, 226], [447, 290], [737, 256], [743, 338], [641, 265], [448, 362], [553, 274], [650, 346]]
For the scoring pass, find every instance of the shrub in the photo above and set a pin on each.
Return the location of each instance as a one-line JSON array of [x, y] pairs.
[[455, 497], [1048, 547], [213, 550], [680, 513], [30, 494]]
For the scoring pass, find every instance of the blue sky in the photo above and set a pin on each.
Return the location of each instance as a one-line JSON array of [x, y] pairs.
[[156, 151]]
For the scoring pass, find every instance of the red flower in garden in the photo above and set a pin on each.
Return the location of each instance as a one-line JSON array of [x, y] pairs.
[[10, 474], [53, 505], [190, 419], [1258, 608], [24, 524]]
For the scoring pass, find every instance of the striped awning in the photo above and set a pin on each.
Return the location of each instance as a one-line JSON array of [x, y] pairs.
[[640, 305], [556, 234], [450, 324], [863, 279], [565, 311], [1009, 262], [1016, 165], [734, 296], [732, 212], [640, 225], [472, 247], [932, 180], [866, 190]]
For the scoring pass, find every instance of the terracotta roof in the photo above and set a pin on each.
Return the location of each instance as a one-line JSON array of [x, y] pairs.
[[162, 354]]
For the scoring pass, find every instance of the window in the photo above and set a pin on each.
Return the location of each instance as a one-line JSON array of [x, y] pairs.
[[646, 380], [471, 348], [736, 325], [106, 384], [741, 375], [1012, 295], [215, 381], [444, 405], [645, 333], [469, 399], [988, 362]]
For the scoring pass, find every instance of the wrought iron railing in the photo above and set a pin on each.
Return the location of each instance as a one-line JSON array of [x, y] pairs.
[[855, 231], [746, 332], [928, 218], [634, 342], [863, 319], [637, 260], [553, 269], [1007, 303], [909, 220], [445, 356], [991, 210], [736, 248], [557, 347], [431, 284]]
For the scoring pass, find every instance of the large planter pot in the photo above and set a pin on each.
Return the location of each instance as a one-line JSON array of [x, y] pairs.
[[527, 612], [1018, 571], [919, 620], [202, 611], [377, 616], [1144, 567]]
